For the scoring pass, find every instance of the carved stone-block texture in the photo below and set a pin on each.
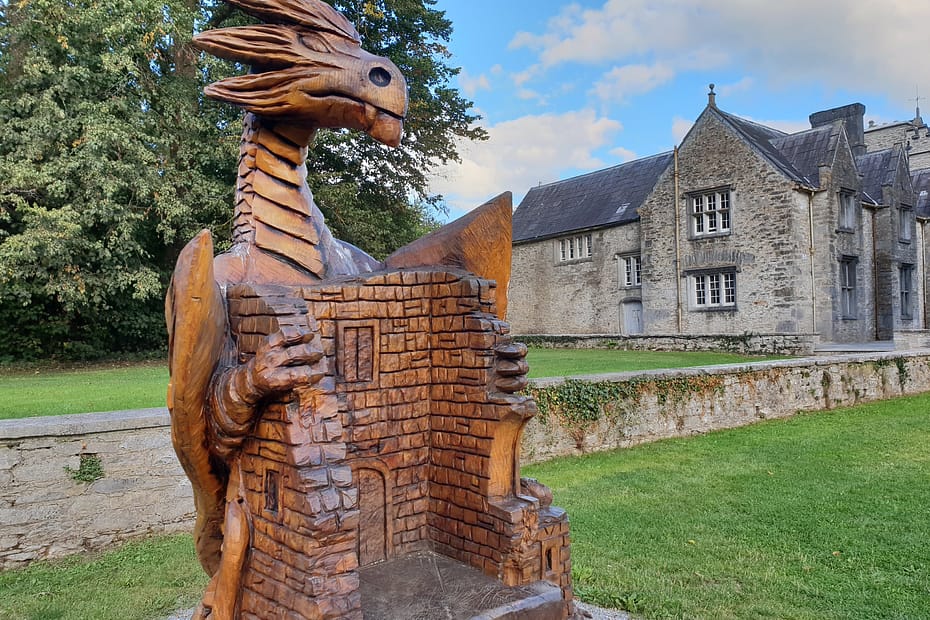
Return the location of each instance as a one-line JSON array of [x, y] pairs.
[[406, 446]]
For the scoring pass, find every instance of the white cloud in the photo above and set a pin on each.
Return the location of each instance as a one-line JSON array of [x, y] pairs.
[[727, 90], [524, 152], [471, 84], [680, 128], [837, 43], [623, 154], [521, 78], [621, 83], [528, 94]]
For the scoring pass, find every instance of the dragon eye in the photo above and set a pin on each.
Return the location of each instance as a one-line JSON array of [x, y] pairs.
[[379, 77]]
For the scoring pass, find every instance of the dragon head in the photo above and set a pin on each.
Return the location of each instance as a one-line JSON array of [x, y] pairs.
[[308, 67]]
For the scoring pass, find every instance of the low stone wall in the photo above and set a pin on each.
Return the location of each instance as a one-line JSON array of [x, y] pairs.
[[747, 344], [673, 403], [46, 512]]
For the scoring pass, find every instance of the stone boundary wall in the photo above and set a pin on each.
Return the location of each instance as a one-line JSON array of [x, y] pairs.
[[677, 403], [747, 344], [44, 513]]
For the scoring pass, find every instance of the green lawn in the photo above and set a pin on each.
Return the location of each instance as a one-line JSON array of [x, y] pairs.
[[49, 391], [139, 581], [823, 516], [41, 391]]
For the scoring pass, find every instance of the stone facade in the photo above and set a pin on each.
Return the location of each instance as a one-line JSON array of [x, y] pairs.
[[578, 284], [746, 230], [913, 135], [765, 247]]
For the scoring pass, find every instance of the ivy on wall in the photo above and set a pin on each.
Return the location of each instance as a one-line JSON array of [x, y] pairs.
[[577, 405]]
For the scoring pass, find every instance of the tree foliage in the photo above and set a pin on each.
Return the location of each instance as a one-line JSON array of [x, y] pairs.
[[111, 159]]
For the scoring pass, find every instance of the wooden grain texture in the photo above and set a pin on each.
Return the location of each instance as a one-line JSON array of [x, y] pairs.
[[479, 242], [197, 332], [344, 411]]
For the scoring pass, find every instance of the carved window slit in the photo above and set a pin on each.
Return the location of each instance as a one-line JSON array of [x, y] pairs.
[[272, 486], [358, 353]]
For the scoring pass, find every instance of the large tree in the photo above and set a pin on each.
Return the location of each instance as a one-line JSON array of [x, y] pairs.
[[111, 158]]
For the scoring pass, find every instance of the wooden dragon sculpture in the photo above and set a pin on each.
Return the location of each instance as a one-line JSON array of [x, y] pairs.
[[308, 72]]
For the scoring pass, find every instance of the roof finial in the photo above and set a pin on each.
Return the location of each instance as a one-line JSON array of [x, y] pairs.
[[918, 122], [712, 97]]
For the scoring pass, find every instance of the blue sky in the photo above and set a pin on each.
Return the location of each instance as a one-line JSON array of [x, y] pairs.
[[569, 87]]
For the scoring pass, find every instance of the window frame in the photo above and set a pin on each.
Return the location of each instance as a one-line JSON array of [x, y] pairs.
[[905, 227], [710, 212], [574, 248], [906, 293], [630, 270], [713, 290], [849, 297], [848, 219]]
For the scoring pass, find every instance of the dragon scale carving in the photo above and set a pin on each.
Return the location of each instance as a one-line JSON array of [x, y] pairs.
[[275, 210]]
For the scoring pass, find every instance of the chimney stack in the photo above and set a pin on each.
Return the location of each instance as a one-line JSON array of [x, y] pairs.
[[854, 116]]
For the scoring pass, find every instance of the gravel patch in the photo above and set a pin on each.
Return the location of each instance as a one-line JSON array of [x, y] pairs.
[[594, 612]]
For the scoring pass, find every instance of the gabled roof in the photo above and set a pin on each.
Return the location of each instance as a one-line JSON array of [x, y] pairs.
[[877, 169], [797, 156], [760, 137], [611, 197], [807, 151], [598, 199], [921, 182]]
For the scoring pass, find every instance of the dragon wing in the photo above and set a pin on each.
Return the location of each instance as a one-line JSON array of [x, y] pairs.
[[197, 338]]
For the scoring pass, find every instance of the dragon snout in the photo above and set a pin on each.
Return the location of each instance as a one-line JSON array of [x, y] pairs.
[[385, 97]]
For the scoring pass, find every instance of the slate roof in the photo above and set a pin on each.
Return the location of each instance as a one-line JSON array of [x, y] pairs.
[[807, 151], [604, 198], [921, 181], [877, 169]]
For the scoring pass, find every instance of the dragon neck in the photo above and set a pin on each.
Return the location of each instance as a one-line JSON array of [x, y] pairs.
[[274, 207]]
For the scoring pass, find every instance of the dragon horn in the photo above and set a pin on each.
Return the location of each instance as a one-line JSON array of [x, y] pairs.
[[312, 14], [265, 46]]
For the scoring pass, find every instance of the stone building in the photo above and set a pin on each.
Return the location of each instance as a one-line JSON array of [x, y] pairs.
[[743, 229]]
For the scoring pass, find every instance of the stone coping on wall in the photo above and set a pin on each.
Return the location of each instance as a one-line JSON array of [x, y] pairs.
[[726, 369], [84, 423], [662, 404], [749, 343]]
